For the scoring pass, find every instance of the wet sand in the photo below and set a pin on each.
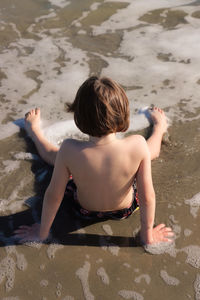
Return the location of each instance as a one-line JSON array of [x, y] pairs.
[[147, 48], [103, 260]]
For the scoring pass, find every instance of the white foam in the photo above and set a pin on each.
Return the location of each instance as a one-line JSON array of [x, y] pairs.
[[170, 280], [55, 86], [129, 16], [58, 131], [83, 274], [127, 265], [111, 247], [126, 294], [59, 289], [7, 271], [197, 287], [44, 283], [59, 3], [193, 255], [162, 247], [25, 156], [146, 277], [194, 204], [101, 272], [187, 232], [52, 249], [10, 166], [107, 228], [135, 64]]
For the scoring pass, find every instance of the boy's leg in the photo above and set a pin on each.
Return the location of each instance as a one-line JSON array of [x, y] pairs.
[[159, 128], [46, 150]]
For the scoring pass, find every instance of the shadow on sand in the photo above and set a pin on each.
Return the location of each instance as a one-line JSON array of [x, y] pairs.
[[65, 224]]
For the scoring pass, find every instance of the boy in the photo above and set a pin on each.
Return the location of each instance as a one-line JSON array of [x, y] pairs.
[[103, 168]]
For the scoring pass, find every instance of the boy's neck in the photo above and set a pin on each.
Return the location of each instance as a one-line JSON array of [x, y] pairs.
[[103, 140]]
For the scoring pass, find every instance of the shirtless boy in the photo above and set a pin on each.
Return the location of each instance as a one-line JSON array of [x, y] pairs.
[[103, 168]]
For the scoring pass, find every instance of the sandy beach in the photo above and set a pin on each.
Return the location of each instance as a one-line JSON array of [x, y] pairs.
[[47, 49]]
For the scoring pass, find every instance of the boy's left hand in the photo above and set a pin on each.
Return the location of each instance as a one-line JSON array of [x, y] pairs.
[[28, 233]]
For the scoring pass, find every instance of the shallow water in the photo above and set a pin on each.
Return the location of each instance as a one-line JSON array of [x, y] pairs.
[[47, 49]]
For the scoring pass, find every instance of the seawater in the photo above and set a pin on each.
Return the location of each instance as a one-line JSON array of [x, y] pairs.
[[48, 48]]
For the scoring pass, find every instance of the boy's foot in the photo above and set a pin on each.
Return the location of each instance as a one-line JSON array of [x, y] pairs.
[[32, 121], [159, 119]]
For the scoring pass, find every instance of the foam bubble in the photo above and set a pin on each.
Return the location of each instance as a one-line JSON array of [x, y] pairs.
[[130, 295], [169, 279], [83, 274], [194, 204], [146, 277], [172, 218], [44, 283], [111, 247], [197, 287], [127, 265], [25, 156], [193, 255], [103, 275], [21, 261], [59, 3], [7, 271], [10, 204], [187, 232], [107, 228], [58, 289], [10, 166], [162, 247], [52, 249]]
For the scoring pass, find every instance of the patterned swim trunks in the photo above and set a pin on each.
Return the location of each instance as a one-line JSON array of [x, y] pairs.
[[71, 193]]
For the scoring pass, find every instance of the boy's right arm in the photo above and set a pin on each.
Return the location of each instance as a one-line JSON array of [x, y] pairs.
[[147, 202]]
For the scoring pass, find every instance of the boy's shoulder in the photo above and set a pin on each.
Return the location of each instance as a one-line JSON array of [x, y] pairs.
[[135, 138], [71, 142], [137, 143]]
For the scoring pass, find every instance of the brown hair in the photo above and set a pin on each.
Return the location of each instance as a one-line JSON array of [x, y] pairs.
[[100, 107]]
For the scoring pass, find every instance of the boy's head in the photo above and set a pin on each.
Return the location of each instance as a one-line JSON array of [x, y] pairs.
[[100, 107]]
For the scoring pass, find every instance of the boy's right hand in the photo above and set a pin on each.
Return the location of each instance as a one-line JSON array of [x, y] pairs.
[[160, 233]]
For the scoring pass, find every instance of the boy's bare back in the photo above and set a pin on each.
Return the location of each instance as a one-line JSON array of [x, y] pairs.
[[104, 173]]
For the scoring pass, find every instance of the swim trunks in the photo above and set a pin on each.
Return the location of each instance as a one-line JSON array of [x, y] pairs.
[[71, 193]]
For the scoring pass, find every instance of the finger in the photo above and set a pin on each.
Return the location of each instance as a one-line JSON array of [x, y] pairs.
[[20, 231], [159, 227], [25, 226], [167, 240], [169, 233], [19, 236], [168, 228]]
